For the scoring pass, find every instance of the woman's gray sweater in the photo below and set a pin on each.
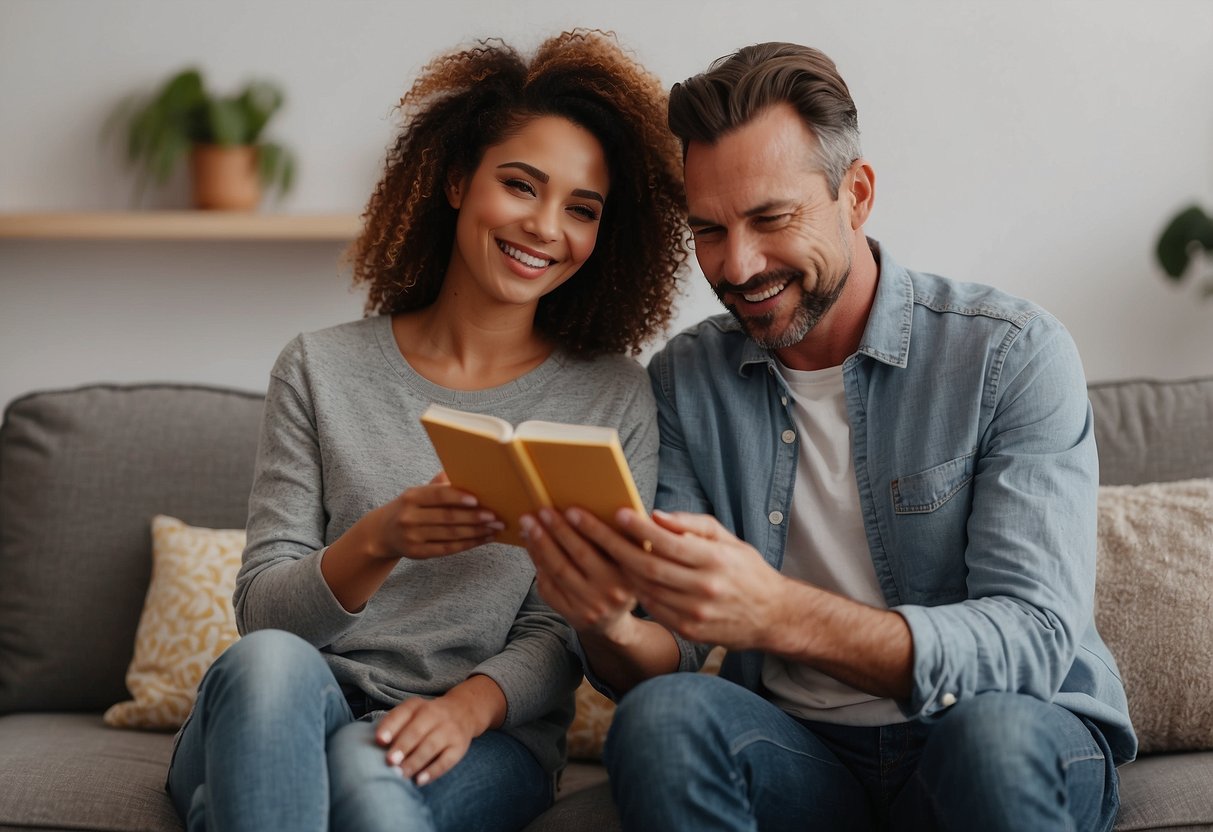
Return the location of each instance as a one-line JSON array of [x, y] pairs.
[[341, 437]]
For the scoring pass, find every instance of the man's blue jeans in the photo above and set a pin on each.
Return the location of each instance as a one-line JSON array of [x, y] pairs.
[[689, 751], [272, 744]]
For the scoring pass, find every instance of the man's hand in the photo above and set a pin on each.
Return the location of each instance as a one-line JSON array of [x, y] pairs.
[[581, 583], [706, 585], [576, 579], [693, 575]]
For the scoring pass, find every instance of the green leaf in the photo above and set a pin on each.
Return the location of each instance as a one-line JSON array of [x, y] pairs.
[[228, 121], [276, 166], [1188, 231], [260, 101], [181, 95]]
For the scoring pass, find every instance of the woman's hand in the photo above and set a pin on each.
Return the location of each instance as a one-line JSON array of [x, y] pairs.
[[427, 521], [430, 521], [425, 738]]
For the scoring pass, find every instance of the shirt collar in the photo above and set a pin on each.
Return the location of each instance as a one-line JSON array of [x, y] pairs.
[[887, 334]]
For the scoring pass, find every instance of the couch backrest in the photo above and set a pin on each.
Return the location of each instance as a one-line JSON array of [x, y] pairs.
[[82, 472], [1153, 431]]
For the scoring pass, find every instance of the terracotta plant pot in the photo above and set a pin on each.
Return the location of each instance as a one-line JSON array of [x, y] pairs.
[[225, 177]]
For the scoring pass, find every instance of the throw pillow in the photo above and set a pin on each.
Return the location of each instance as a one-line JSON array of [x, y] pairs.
[[1153, 598], [187, 622], [588, 732]]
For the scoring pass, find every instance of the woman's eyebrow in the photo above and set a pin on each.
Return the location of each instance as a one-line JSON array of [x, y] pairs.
[[582, 192], [531, 169]]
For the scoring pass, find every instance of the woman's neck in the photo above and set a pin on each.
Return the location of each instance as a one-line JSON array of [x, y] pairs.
[[463, 345]]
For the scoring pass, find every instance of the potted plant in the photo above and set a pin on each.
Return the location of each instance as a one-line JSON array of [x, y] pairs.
[[1188, 232], [229, 161]]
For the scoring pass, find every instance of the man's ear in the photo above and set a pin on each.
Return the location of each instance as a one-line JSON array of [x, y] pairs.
[[860, 187]]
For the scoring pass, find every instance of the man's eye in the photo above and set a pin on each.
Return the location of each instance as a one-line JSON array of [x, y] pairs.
[[770, 219]]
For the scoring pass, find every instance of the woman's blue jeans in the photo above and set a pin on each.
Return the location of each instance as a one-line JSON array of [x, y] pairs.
[[695, 752], [272, 744]]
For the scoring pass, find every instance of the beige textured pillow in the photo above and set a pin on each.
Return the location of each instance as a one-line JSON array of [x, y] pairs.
[[588, 732], [1154, 607], [187, 622]]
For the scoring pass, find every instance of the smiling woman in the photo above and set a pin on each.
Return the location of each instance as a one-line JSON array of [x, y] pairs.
[[467, 102], [399, 669]]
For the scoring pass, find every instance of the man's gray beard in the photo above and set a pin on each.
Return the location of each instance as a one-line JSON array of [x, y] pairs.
[[808, 313]]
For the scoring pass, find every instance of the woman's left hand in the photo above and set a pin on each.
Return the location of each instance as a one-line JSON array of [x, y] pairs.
[[425, 738]]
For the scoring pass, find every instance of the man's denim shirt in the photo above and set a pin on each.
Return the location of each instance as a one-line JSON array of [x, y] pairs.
[[977, 474]]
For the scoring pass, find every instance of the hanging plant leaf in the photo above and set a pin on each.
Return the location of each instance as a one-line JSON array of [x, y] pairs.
[[1189, 231]]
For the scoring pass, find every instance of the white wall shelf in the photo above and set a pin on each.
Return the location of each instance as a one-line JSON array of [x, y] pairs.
[[178, 225]]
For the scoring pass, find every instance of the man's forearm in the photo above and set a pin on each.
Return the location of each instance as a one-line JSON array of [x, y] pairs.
[[867, 648]]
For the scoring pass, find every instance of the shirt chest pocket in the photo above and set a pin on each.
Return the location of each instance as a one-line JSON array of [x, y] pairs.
[[929, 490]]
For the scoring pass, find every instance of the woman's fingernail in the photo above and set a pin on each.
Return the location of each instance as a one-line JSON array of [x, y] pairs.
[[469, 500], [395, 757], [423, 778], [498, 525], [573, 516]]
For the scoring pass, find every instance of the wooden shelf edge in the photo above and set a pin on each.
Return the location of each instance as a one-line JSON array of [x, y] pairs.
[[178, 225]]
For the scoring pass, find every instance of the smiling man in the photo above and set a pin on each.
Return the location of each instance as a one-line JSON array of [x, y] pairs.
[[877, 490]]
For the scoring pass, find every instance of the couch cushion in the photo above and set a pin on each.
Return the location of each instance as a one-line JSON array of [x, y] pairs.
[[1153, 431], [1167, 791], [82, 473], [1164, 791], [70, 771]]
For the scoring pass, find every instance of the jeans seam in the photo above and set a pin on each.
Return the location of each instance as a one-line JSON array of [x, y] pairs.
[[1065, 764], [741, 745]]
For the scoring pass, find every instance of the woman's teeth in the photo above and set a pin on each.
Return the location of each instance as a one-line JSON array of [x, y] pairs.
[[522, 257], [769, 292]]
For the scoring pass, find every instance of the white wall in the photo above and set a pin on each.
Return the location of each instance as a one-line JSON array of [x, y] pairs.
[[1036, 146]]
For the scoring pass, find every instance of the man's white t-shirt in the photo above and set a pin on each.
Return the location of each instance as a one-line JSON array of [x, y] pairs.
[[826, 546]]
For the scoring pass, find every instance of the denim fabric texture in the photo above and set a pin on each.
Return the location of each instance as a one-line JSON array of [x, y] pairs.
[[977, 474], [272, 744], [695, 752]]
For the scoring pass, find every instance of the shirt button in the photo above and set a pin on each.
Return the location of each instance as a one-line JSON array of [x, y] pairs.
[[947, 700], [776, 517], [783, 399], [788, 437]]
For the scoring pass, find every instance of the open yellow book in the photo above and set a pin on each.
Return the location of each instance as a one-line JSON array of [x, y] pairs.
[[515, 471]]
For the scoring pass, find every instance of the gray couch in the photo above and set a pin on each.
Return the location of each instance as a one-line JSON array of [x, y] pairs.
[[83, 471]]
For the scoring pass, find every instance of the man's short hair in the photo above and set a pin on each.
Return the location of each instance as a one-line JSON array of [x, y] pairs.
[[737, 87]]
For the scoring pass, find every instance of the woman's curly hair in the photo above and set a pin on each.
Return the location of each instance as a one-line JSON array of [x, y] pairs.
[[468, 101]]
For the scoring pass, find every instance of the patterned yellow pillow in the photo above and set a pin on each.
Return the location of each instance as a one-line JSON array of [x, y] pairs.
[[187, 622]]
